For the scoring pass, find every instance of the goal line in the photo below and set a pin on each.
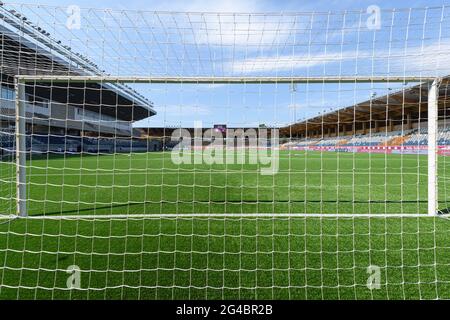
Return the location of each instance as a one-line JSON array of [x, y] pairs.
[[221, 216]]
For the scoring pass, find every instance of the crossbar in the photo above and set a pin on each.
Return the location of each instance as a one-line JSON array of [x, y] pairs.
[[222, 80]]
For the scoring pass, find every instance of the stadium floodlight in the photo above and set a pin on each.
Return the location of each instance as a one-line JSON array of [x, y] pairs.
[[165, 155]]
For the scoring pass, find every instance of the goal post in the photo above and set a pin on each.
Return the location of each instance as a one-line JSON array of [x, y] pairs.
[[433, 96], [21, 150]]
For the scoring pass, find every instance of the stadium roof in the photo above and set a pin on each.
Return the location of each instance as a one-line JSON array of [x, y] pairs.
[[29, 50], [393, 106]]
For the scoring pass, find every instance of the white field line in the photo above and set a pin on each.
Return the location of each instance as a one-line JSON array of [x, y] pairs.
[[220, 216], [120, 157], [158, 172]]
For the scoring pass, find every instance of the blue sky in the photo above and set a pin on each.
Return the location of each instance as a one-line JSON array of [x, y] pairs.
[[241, 5], [406, 43]]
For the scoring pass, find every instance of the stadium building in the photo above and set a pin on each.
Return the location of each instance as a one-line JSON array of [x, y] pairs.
[[395, 121], [67, 117]]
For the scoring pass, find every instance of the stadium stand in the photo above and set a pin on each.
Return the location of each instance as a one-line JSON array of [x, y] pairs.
[[57, 121], [67, 144], [414, 137]]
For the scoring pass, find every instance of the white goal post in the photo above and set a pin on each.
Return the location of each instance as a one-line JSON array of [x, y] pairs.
[[21, 153]]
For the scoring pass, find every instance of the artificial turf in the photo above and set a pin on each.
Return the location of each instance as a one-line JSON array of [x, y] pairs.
[[183, 257]]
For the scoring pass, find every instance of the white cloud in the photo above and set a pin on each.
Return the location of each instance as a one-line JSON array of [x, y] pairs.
[[431, 59], [208, 6], [227, 23], [427, 60], [244, 32], [284, 62]]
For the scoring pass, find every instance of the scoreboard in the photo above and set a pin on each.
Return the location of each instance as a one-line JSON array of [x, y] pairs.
[[220, 128]]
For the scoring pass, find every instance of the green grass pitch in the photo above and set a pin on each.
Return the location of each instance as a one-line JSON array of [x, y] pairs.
[[225, 258]]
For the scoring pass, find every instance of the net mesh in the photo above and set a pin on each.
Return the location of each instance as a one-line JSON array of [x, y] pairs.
[[228, 177]]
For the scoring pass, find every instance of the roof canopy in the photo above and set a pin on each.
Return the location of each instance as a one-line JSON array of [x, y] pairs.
[[409, 103], [26, 52]]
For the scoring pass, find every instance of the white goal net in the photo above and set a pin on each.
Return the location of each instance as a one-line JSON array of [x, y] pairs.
[[164, 155]]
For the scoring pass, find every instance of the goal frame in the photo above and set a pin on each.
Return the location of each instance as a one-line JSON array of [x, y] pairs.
[[433, 96]]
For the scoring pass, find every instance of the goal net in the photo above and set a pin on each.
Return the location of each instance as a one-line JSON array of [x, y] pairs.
[[158, 155]]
